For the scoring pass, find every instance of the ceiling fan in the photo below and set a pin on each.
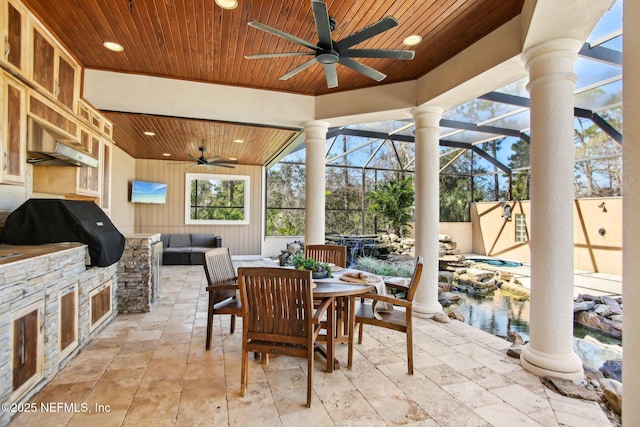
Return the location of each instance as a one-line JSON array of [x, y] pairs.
[[329, 52], [212, 161]]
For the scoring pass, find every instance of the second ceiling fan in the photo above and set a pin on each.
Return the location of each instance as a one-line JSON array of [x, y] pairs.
[[212, 161], [329, 52]]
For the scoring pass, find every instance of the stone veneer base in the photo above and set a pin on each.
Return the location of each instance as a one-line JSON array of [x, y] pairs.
[[44, 278]]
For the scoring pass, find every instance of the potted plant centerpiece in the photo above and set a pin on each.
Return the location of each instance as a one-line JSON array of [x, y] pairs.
[[319, 270]]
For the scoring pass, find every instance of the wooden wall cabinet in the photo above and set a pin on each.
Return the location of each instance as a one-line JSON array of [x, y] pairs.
[[13, 25], [94, 119], [89, 178], [27, 347], [52, 68], [13, 113]]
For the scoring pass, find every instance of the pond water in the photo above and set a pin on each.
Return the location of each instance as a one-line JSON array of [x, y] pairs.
[[496, 262], [499, 313]]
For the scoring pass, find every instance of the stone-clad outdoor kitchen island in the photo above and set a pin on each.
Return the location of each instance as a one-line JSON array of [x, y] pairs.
[[51, 306]]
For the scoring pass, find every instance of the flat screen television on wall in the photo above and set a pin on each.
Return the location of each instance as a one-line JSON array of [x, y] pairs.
[[148, 192]]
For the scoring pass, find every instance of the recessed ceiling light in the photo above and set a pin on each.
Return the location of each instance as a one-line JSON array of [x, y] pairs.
[[233, 158], [113, 46], [149, 133], [166, 154], [412, 40], [239, 141], [227, 4]]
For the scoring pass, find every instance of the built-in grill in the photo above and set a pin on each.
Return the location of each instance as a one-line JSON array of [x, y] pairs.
[[39, 221]]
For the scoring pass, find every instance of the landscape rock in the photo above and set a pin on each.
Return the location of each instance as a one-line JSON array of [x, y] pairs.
[[456, 315], [442, 318], [613, 305], [583, 306], [612, 369], [569, 388], [594, 353], [514, 351], [602, 310], [612, 391], [515, 337], [592, 320], [515, 289]]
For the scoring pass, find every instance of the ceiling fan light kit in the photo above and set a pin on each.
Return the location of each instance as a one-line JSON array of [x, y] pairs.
[[329, 52]]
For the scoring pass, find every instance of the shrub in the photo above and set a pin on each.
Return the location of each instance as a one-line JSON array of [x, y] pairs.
[[385, 268]]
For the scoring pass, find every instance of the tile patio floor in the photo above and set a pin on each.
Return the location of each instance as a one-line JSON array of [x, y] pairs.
[[152, 369]]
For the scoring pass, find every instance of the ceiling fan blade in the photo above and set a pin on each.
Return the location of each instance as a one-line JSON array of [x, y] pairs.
[[282, 34], [222, 165], [378, 53], [321, 16], [332, 76], [278, 55], [361, 68], [213, 159], [366, 33], [299, 68]]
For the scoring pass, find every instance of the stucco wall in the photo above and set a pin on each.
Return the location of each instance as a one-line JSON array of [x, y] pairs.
[[495, 236]]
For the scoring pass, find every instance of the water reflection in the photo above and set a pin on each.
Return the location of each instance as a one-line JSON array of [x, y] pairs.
[[495, 313], [499, 313]]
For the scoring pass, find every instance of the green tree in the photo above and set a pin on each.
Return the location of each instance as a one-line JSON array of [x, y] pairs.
[[393, 200], [521, 179]]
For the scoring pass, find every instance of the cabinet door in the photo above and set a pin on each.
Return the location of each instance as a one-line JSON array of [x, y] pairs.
[[14, 133], [43, 61], [65, 86], [25, 348], [13, 15], [88, 178], [52, 68]]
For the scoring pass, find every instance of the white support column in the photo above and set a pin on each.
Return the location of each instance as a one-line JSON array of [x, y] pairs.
[[427, 188], [551, 82], [630, 210], [315, 143]]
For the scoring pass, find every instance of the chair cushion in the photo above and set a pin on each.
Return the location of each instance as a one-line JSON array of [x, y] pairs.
[[179, 240], [203, 240]]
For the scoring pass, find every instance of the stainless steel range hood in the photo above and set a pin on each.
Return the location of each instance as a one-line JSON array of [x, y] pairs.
[[46, 147]]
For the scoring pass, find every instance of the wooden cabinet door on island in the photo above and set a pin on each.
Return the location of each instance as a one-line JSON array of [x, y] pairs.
[[27, 348]]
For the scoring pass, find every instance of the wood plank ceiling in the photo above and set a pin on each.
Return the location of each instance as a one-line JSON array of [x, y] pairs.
[[196, 40]]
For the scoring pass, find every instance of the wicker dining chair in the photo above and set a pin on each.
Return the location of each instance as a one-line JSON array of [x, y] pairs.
[[399, 320], [278, 316], [335, 254], [221, 286]]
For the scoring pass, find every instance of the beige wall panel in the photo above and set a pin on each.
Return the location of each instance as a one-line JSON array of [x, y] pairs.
[[122, 172], [169, 218]]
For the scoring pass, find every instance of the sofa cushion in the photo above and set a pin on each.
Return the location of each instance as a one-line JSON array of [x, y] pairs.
[[179, 249], [179, 240], [203, 240]]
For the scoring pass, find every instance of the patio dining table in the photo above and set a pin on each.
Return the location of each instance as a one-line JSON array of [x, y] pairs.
[[339, 291]]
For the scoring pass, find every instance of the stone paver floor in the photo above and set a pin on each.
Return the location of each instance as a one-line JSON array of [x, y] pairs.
[[152, 369]]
